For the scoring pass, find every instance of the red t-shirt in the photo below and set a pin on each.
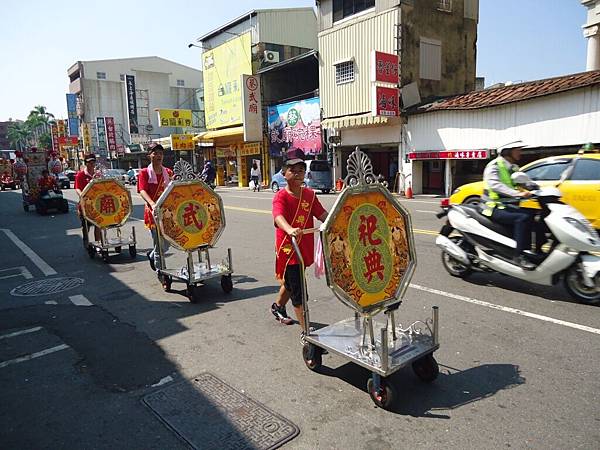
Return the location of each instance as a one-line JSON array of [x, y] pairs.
[[286, 205], [152, 189], [82, 179]]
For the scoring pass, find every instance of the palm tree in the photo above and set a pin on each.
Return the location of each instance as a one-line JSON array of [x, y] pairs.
[[39, 121], [18, 134]]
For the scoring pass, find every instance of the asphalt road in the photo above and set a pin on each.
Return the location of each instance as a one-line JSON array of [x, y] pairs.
[[519, 362]]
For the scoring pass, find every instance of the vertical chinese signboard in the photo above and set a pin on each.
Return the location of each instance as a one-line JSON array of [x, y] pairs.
[[384, 67], [385, 101], [85, 133], [111, 137], [295, 124], [61, 129], [175, 117], [131, 104], [54, 132], [101, 136], [72, 113], [252, 111], [385, 95]]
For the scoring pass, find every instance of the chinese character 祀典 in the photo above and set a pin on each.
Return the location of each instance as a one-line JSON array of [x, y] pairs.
[[107, 205], [368, 226], [373, 265], [189, 216]]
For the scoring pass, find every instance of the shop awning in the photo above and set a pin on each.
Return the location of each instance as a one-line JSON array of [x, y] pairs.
[[361, 120], [164, 141], [201, 140], [225, 132]]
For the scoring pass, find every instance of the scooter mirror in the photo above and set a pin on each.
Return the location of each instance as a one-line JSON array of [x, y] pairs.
[[520, 178]]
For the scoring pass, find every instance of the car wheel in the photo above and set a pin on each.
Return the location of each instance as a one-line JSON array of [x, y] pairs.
[[274, 186]]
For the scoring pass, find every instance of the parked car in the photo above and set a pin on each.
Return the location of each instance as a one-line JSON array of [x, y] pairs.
[[63, 180], [317, 176], [581, 189], [70, 174], [133, 175], [117, 174]]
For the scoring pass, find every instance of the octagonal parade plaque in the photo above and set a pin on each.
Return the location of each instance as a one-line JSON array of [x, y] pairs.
[[190, 214], [368, 242], [106, 203]]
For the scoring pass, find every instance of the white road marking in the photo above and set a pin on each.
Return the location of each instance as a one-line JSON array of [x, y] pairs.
[[31, 356], [425, 211], [23, 272], [164, 380], [51, 302], [80, 300], [20, 332], [507, 309], [39, 262], [250, 196]]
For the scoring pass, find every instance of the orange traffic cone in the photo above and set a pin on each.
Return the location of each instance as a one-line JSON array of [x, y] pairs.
[[408, 193]]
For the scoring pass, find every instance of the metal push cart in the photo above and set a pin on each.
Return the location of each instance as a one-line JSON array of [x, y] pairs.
[[189, 215], [366, 225], [106, 204]]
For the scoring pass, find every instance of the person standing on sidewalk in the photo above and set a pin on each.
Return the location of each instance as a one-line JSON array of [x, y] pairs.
[[152, 182], [255, 177], [293, 210], [82, 179]]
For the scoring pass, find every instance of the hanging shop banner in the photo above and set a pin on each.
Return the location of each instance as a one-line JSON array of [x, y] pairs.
[[72, 105], [385, 101], [190, 215], [61, 127], [54, 134], [73, 126], [252, 110], [101, 134], [111, 136], [182, 141], [454, 154], [367, 247], [384, 67], [175, 117], [106, 202], [295, 124], [131, 104], [223, 67], [86, 135], [69, 141]]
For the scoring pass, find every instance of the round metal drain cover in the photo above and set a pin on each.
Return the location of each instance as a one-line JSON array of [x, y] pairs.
[[45, 287]]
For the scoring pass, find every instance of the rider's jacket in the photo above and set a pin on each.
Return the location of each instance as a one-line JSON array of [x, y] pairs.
[[498, 184]]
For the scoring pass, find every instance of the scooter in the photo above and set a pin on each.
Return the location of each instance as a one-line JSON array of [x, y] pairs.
[[7, 182], [471, 242], [51, 200]]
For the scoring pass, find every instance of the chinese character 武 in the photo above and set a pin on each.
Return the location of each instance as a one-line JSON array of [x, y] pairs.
[[189, 216]]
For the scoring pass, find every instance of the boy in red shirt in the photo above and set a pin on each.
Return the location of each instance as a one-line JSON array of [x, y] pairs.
[[293, 210], [152, 182]]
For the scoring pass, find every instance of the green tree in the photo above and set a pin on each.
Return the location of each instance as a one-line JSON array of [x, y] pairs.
[[39, 121], [45, 140], [18, 134]]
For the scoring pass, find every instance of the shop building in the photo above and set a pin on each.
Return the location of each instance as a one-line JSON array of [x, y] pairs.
[[376, 53], [129, 91], [448, 142], [244, 46]]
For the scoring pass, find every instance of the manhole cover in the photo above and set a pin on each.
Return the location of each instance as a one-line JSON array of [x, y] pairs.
[[209, 414], [47, 286]]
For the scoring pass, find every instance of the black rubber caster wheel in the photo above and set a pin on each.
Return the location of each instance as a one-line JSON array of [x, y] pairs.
[[384, 396], [132, 251], [313, 356], [118, 249], [166, 282], [105, 256], [226, 284], [91, 251], [426, 368], [192, 294]]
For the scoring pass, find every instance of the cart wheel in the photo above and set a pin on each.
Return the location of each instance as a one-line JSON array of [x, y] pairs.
[[118, 249], [64, 207], [226, 283], [91, 251], [132, 251], [105, 256], [192, 293], [426, 368], [313, 356], [166, 282], [384, 397], [25, 207]]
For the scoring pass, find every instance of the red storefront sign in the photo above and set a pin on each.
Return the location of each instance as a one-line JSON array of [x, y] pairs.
[[453, 154], [68, 140], [111, 137], [385, 101], [384, 67]]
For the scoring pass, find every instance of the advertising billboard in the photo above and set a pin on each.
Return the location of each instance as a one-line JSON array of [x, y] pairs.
[[386, 101], [295, 124], [253, 123], [131, 104], [175, 117], [223, 68]]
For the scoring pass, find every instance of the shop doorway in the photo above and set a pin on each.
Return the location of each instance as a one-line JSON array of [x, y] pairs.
[[433, 177]]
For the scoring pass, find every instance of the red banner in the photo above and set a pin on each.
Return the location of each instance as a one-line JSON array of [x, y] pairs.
[[453, 154], [68, 140], [385, 101], [111, 137], [384, 67]]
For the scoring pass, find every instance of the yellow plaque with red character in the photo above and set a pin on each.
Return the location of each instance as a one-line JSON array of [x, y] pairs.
[[190, 215], [368, 247], [106, 203]]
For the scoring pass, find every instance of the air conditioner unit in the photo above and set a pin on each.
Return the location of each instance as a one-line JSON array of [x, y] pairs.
[[271, 56]]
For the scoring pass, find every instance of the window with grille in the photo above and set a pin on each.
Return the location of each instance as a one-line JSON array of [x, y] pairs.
[[101, 75], [344, 72], [180, 83], [346, 8], [445, 5]]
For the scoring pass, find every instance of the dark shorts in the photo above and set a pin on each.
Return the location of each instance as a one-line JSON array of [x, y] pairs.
[[293, 284]]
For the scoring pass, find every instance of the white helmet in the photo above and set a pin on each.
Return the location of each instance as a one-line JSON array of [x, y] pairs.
[[503, 149]]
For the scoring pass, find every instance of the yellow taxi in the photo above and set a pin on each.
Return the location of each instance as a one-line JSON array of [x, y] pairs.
[[581, 190]]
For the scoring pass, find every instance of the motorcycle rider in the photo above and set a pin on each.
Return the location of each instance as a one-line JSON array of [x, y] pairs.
[[208, 174], [498, 185]]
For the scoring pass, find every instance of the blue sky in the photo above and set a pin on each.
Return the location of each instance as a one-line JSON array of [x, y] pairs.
[[39, 40]]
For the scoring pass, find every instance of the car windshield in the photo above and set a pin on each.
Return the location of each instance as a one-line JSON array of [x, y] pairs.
[[548, 170]]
